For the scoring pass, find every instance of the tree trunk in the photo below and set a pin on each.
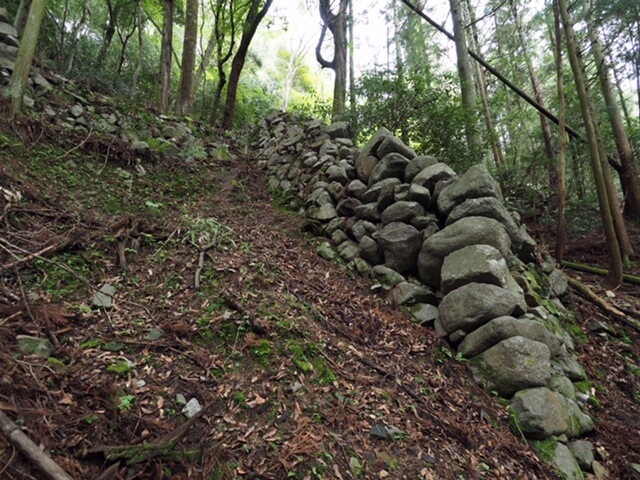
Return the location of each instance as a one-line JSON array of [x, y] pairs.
[[184, 104], [109, 32], [628, 172], [21, 16], [20, 75], [165, 55], [138, 70], [336, 22], [465, 74], [614, 278], [352, 72], [494, 139], [222, 57], [75, 36], [561, 172], [254, 17]]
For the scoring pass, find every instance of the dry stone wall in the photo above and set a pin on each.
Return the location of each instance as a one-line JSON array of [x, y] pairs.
[[445, 246]]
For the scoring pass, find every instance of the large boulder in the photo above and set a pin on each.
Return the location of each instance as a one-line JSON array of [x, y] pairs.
[[401, 212], [474, 304], [394, 145], [489, 207], [339, 130], [539, 412], [501, 328], [416, 165], [477, 182], [474, 263], [401, 244], [465, 232], [429, 176], [513, 364], [366, 159], [391, 165]]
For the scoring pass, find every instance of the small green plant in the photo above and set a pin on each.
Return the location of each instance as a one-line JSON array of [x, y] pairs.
[[240, 398], [122, 368], [263, 348], [126, 402], [91, 419], [91, 343], [442, 355], [204, 231]]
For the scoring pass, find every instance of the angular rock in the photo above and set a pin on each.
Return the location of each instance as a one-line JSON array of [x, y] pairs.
[[512, 365], [347, 206], [474, 304], [539, 412], [566, 464], [570, 367], [394, 145], [386, 198], [582, 450], [558, 283], [372, 194], [326, 251], [501, 328], [368, 211], [490, 207], [366, 161], [407, 293], [326, 213], [420, 194], [338, 174], [104, 297], [356, 189], [386, 276], [339, 130], [563, 386], [370, 251], [424, 313], [416, 165], [578, 423], [474, 263], [400, 244], [362, 228], [37, 347], [477, 182], [348, 250], [401, 212], [430, 176], [465, 232], [391, 166]]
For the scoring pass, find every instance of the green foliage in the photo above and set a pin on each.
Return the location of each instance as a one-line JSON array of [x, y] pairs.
[[126, 402], [423, 112], [122, 368]]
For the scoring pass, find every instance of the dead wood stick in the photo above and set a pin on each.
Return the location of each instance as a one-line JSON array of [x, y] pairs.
[[581, 267], [110, 473], [30, 450], [203, 251], [590, 295]]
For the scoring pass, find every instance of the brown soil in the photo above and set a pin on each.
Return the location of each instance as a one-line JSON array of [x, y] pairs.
[[293, 357]]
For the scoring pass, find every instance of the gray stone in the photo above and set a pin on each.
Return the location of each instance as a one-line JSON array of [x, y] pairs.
[[386, 197], [368, 211], [401, 212], [428, 224], [429, 176], [386, 276], [338, 237], [339, 130], [465, 232], [474, 304], [7, 29], [362, 266], [394, 145], [372, 194], [326, 213], [424, 313], [578, 423], [338, 174], [370, 251], [407, 293], [513, 364], [361, 228], [420, 194], [539, 412], [477, 182], [391, 166], [34, 346], [582, 450], [140, 147], [366, 161], [474, 263], [328, 149], [504, 327], [326, 251], [76, 110], [104, 297], [416, 165], [347, 206], [348, 250], [566, 464], [400, 244], [570, 367], [563, 386], [602, 473], [489, 207], [558, 283], [356, 189], [401, 192]]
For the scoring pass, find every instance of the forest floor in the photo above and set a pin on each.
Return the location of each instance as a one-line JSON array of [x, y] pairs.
[[301, 370]]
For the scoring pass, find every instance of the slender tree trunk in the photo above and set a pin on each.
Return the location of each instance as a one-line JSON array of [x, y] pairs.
[[465, 74], [165, 56], [222, 57], [621, 99], [20, 75], [254, 17], [138, 70], [614, 278], [109, 32], [336, 23], [628, 172], [352, 72], [494, 139], [124, 41], [184, 104], [21, 16], [561, 186], [75, 36]]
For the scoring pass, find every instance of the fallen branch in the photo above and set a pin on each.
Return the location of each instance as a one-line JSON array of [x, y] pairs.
[[590, 295], [203, 251], [598, 271], [29, 449]]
